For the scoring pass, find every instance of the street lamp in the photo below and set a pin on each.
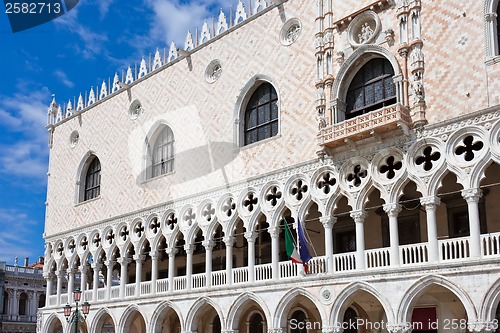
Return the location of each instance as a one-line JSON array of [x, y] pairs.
[[75, 317]]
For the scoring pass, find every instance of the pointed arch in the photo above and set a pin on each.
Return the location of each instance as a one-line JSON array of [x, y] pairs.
[[285, 304], [193, 312], [159, 150], [127, 316], [413, 293], [52, 320], [99, 316], [490, 302], [340, 303], [159, 312], [236, 309]]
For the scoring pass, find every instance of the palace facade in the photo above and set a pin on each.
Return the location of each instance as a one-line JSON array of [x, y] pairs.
[[375, 124]]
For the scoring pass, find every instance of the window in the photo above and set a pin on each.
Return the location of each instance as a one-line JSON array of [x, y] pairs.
[[92, 187], [492, 10], [350, 321], [371, 88], [162, 156], [23, 300], [299, 322], [256, 323], [261, 114]]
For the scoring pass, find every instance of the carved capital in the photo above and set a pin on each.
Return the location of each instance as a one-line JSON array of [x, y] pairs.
[[328, 221], [188, 248], [275, 330], [359, 216], [274, 232], [171, 251], [139, 258], [430, 202], [482, 326], [208, 244], [110, 263], [228, 240], [124, 261], [399, 327], [472, 194], [96, 265], [392, 209], [489, 17]]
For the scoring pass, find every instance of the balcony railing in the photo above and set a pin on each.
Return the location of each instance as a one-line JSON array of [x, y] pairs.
[[450, 250], [369, 124]]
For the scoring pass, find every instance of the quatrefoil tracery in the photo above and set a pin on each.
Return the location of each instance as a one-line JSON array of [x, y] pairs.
[[171, 221], [229, 207], [124, 233], [60, 249], [427, 158], [357, 175], [250, 201], [84, 243], [154, 225], [299, 189], [110, 236], [469, 147], [139, 229], [97, 240], [190, 216], [391, 167], [208, 212], [326, 182], [273, 196]]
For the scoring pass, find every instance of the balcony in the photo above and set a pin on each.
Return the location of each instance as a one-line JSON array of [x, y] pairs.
[[367, 125], [453, 251]]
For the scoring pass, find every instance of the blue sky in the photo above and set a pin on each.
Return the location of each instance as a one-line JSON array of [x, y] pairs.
[[65, 57]]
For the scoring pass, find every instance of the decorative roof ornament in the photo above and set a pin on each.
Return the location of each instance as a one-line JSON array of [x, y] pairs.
[[79, 104], [69, 110], [104, 90], [221, 23], [143, 70], [172, 52], [205, 33], [129, 78], [260, 5], [116, 83], [188, 43], [59, 114], [91, 97], [157, 60], [52, 111], [240, 14]]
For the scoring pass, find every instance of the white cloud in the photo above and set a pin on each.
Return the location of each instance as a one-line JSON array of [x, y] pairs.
[[16, 230], [64, 78], [24, 115], [104, 7], [173, 19]]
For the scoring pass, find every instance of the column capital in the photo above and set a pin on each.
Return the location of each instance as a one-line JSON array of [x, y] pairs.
[[110, 263], [274, 231], [275, 330], [208, 244], [188, 248], [392, 209], [472, 194], [139, 257], [229, 240], [359, 216], [250, 236], [153, 254], [328, 221], [328, 329], [124, 261], [96, 265], [70, 271], [432, 201], [399, 327], [171, 251], [490, 16], [83, 268], [48, 275], [60, 274], [482, 326]]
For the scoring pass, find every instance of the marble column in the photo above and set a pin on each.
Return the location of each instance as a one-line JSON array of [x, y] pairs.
[[139, 258], [359, 219], [328, 222], [229, 241], [123, 274], [472, 196], [154, 270], [208, 245], [171, 267], [95, 285], [274, 232], [392, 211], [250, 236], [430, 204]]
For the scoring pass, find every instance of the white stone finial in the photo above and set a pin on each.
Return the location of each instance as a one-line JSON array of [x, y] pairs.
[[188, 43], [69, 110], [116, 81], [240, 14], [157, 60], [79, 105], [221, 23], [259, 5], [52, 111], [172, 52], [91, 97], [104, 90], [129, 78], [205, 33], [59, 114], [143, 70]]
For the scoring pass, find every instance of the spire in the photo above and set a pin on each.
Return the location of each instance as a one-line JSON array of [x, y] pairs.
[[143, 70], [79, 105], [91, 97], [172, 53], [69, 109], [104, 90], [129, 78], [116, 81], [221, 23], [205, 33], [157, 60], [241, 13], [52, 111], [59, 114], [188, 44]]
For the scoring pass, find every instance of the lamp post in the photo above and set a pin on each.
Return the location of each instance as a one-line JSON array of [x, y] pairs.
[[75, 317]]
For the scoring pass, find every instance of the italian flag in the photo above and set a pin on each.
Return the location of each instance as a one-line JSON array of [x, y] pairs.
[[291, 249]]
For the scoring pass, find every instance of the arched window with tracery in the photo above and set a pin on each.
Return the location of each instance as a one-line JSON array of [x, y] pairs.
[[162, 153], [261, 114], [92, 179], [371, 88]]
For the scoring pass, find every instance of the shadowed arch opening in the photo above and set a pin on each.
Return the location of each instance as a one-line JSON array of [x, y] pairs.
[[134, 322], [204, 318], [167, 320]]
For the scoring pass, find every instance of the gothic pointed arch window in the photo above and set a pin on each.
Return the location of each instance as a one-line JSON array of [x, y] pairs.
[[161, 155], [492, 28], [89, 178], [261, 114], [92, 187], [371, 88]]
